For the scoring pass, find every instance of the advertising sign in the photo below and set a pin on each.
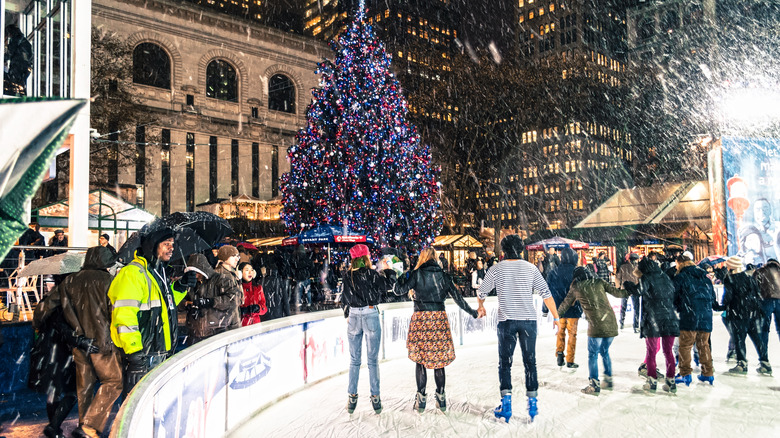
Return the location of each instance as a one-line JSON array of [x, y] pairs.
[[327, 348], [192, 404], [261, 369], [751, 174]]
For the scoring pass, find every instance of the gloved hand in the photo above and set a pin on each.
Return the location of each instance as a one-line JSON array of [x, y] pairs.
[[254, 308], [346, 311], [204, 303], [630, 287], [136, 369], [193, 311], [188, 280], [87, 345]]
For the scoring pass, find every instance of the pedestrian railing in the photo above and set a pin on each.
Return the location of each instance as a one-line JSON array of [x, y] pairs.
[[213, 387]]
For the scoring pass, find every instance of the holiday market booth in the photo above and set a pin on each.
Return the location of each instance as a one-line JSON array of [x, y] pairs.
[[456, 248]]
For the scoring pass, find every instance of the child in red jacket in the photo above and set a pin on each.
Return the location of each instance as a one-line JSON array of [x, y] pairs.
[[254, 299]]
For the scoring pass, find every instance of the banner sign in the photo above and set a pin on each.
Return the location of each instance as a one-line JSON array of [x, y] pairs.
[[751, 174]]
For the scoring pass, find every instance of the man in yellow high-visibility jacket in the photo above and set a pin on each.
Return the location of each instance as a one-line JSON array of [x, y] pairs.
[[144, 322]]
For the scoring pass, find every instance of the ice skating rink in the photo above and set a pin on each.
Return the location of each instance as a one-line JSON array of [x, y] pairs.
[[745, 406]]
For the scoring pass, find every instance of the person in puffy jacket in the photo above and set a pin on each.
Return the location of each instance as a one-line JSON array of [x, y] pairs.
[[591, 293], [626, 273], [742, 303], [197, 326], [430, 340], [659, 323], [694, 300], [363, 291], [254, 307], [559, 280]]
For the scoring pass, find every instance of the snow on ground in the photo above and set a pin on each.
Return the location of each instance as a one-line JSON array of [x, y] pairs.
[[744, 406]]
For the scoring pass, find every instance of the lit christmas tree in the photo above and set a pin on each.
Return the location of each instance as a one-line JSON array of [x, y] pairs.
[[358, 163]]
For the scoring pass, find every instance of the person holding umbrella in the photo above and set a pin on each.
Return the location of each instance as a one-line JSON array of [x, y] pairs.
[[144, 322]]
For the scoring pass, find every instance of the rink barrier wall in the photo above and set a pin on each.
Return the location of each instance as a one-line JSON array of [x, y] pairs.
[[213, 387]]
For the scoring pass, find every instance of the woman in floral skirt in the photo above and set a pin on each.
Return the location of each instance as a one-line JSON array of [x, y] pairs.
[[430, 340]]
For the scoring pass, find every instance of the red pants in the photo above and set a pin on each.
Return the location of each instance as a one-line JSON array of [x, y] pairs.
[[667, 342]]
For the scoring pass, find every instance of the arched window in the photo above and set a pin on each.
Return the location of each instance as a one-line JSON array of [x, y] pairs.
[[693, 15], [151, 66], [670, 21], [221, 81], [281, 94], [646, 28]]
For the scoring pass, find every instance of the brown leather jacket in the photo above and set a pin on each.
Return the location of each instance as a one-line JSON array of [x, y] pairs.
[[227, 295]]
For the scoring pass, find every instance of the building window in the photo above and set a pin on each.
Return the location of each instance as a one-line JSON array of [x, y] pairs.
[[151, 66], [190, 174], [281, 94], [646, 28], [256, 170], [165, 178], [190, 100], [234, 167], [221, 81], [670, 21], [255, 112], [212, 168], [140, 155], [275, 171]]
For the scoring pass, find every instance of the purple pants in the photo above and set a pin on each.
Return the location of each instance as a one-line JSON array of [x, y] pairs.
[[667, 342]]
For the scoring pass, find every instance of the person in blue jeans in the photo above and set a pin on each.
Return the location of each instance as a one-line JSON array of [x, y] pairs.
[[515, 281], [363, 290], [591, 293]]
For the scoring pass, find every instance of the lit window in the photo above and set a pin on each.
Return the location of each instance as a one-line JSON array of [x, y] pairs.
[[530, 15], [552, 7], [541, 11], [520, 3], [221, 81]]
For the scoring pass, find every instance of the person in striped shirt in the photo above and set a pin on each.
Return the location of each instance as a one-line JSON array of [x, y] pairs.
[[515, 281]]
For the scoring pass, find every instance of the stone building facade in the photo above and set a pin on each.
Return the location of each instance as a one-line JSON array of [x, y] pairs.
[[227, 97]]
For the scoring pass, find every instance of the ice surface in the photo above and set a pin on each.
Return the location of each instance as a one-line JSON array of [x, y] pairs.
[[744, 406]]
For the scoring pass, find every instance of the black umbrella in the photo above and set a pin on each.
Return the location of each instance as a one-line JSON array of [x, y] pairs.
[[193, 232]]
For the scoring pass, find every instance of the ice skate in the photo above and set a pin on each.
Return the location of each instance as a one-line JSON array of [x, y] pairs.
[[683, 379], [709, 379], [650, 385], [593, 388], [607, 383], [764, 369], [740, 369], [572, 365], [533, 410], [559, 356], [441, 401], [670, 385], [376, 403], [505, 409], [351, 402], [419, 402]]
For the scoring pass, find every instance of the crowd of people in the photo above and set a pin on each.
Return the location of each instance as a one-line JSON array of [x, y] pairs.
[[96, 328]]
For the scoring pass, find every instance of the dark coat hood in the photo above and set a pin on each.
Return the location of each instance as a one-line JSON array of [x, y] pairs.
[[98, 257]]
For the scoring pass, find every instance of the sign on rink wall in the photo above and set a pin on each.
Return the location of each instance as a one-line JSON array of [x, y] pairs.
[[214, 386]]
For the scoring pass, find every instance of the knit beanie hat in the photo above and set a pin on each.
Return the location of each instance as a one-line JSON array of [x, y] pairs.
[[227, 252], [734, 263], [358, 251], [688, 255]]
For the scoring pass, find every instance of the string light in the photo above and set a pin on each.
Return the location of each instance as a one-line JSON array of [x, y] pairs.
[[358, 163]]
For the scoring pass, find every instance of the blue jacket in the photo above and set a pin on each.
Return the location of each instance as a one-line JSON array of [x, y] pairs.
[[694, 297], [559, 280]]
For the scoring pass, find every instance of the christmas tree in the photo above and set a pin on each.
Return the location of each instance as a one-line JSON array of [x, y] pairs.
[[358, 163]]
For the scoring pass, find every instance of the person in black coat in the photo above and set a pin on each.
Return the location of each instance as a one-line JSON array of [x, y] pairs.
[[430, 340], [559, 280], [742, 303], [659, 321], [694, 300], [363, 290], [276, 287]]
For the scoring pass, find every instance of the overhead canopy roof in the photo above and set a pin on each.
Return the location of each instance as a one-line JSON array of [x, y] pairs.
[[457, 241], [111, 210], [267, 241], [687, 202]]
